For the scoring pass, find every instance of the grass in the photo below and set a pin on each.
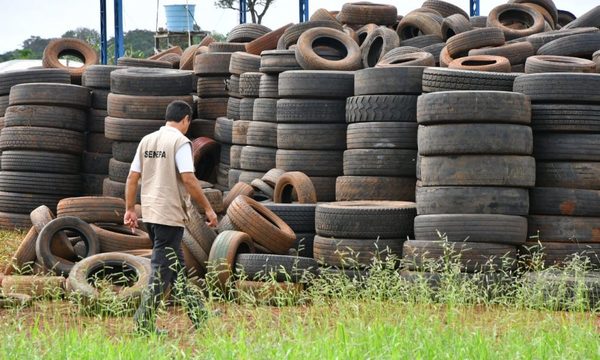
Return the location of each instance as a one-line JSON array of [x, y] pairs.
[[9, 242], [383, 317]]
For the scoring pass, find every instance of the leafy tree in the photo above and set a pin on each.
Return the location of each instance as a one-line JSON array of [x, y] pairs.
[[218, 36], [90, 36], [36, 45], [256, 8]]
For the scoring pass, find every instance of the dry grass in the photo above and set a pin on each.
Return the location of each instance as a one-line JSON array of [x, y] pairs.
[[9, 242]]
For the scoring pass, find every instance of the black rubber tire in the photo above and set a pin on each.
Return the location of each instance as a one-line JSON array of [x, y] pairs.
[[463, 139], [71, 223], [551, 63], [274, 62], [3, 104], [41, 139], [567, 147], [445, 9], [420, 255], [224, 130], [124, 151], [12, 78], [478, 170], [472, 200], [278, 267], [565, 117], [225, 153], [365, 219], [319, 84], [354, 253], [478, 21], [93, 209], [564, 229], [381, 135], [565, 202], [92, 184], [311, 162], [40, 162], [212, 108], [423, 41], [117, 189], [50, 94], [100, 99], [418, 23], [212, 86], [120, 129], [455, 24], [255, 158], [46, 116], [202, 128], [250, 84], [239, 132], [23, 203], [235, 153], [243, 33], [142, 107], [460, 44], [265, 110], [366, 13], [381, 108], [98, 76], [516, 53], [479, 228], [242, 62], [440, 79], [350, 188], [325, 187], [95, 123], [262, 134], [311, 136], [570, 175], [588, 19], [377, 43], [579, 45], [98, 143], [118, 170], [246, 108], [39, 183], [541, 39], [311, 111], [151, 82], [233, 108], [380, 162], [225, 47], [300, 217], [212, 64], [384, 81], [530, 21], [143, 63], [560, 87], [291, 34], [269, 85], [11, 221]]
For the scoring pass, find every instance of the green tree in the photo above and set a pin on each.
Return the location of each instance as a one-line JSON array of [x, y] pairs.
[[36, 45], [90, 36], [256, 8]]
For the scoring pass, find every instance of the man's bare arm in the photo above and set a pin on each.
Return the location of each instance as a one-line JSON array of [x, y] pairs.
[[192, 185], [130, 218]]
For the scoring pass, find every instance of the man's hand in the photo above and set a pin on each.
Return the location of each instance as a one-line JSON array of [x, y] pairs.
[[130, 219], [211, 218]]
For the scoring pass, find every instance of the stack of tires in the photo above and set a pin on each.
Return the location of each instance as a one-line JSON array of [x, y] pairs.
[[42, 143], [98, 151], [311, 129], [564, 212], [475, 171], [351, 234], [380, 163], [136, 107]]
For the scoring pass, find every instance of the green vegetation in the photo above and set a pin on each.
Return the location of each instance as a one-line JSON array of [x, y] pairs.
[[386, 315]]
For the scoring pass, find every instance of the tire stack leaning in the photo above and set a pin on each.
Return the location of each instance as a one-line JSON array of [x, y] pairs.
[[475, 169], [311, 134], [98, 148], [564, 212], [380, 160], [42, 143], [136, 107]]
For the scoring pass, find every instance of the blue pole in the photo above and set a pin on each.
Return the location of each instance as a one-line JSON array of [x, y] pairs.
[[243, 10], [103, 41], [474, 7], [303, 10], [119, 49]]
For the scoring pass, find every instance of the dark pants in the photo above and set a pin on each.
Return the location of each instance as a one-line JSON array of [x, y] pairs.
[[168, 269]]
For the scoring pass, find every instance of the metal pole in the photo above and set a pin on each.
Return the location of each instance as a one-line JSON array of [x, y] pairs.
[[303, 6], [474, 7], [243, 10], [103, 41], [119, 49]]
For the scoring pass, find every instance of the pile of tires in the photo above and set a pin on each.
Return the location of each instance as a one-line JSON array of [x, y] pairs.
[[351, 234], [98, 150], [380, 160], [137, 103], [475, 170], [564, 214], [87, 244], [311, 129], [42, 142]]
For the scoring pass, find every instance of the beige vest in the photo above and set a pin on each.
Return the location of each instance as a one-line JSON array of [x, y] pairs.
[[164, 198]]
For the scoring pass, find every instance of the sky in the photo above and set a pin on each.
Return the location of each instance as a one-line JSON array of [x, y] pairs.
[[20, 19]]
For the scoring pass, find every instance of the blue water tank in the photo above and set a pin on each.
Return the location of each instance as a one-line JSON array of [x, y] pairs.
[[180, 18]]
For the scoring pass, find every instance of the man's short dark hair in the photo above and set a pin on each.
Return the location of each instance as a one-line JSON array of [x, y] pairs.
[[177, 110]]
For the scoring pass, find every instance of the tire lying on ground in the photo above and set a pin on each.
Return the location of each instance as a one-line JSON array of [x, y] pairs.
[[279, 267], [34, 286], [354, 253], [223, 254], [128, 275], [117, 238], [93, 209], [297, 183]]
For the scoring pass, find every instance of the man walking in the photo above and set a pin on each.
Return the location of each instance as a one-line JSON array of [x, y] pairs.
[[164, 163]]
